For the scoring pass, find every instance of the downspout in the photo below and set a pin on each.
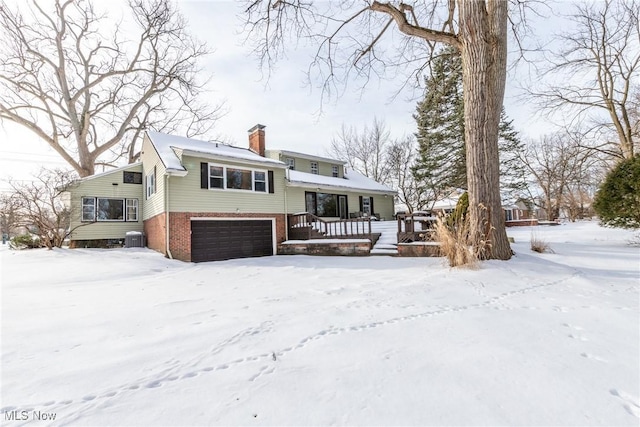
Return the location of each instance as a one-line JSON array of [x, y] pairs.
[[286, 206], [166, 215]]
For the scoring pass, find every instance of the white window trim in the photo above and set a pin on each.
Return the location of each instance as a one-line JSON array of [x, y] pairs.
[[150, 181], [368, 204], [96, 199], [335, 171], [266, 180], [238, 190], [126, 210], [291, 163], [224, 177], [82, 219], [316, 170]]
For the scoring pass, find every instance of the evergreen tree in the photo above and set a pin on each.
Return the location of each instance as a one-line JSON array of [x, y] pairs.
[[618, 199], [441, 162], [441, 165]]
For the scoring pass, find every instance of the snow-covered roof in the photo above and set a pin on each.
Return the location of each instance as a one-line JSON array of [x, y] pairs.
[[109, 172], [166, 145], [446, 203], [352, 180]]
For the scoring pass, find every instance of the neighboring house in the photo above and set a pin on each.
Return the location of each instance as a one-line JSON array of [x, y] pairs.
[[202, 201], [515, 212]]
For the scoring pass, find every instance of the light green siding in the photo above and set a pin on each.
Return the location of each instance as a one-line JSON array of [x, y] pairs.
[[185, 194], [304, 164], [295, 199], [155, 204], [102, 186], [383, 205]]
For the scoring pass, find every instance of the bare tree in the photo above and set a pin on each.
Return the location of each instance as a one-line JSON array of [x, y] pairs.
[[40, 206], [364, 151], [9, 219], [593, 73], [401, 157], [564, 172], [357, 36], [79, 85]]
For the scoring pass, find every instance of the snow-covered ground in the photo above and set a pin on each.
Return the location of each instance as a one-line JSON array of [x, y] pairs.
[[127, 337]]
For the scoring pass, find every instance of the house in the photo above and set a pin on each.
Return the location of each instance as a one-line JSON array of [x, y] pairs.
[[516, 212], [202, 201]]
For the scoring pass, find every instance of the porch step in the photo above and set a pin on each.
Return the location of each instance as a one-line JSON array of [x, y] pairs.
[[384, 252]]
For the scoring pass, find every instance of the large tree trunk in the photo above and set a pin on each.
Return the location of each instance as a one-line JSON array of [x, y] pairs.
[[483, 38]]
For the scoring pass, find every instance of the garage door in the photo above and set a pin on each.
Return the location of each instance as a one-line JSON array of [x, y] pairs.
[[219, 240]]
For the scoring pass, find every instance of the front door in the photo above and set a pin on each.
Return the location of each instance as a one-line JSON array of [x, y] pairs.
[[310, 202], [342, 207]]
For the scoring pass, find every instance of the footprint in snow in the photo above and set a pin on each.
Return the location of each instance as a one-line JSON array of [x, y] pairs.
[[592, 357], [630, 403]]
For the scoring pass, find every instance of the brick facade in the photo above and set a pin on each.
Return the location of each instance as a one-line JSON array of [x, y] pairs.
[[180, 229], [328, 248], [155, 233], [419, 249]]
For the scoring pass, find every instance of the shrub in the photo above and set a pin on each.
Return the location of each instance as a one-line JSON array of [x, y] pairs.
[[455, 243], [540, 245], [460, 212], [618, 199], [25, 241]]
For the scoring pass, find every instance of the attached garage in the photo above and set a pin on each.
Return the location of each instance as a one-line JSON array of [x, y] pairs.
[[216, 240]]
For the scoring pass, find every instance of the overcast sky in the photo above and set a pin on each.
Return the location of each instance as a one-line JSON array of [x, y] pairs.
[[287, 107]]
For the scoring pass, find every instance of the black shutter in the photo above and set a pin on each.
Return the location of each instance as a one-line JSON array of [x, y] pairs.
[[360, 199], [372, 211], [270, 178], [204, 175]]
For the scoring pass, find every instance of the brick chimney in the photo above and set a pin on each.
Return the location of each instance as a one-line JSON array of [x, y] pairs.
[[256, 139]]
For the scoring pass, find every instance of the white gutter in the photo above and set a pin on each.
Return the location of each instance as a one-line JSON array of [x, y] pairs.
[[260, 161], [330, 187]]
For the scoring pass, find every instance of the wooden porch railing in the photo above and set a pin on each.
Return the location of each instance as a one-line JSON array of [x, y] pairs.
[[306, 226], [416, 227]]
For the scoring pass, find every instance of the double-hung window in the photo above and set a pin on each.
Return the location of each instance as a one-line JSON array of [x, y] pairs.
[[366, 205], [334, 171], [151, 183], [314, 168], [132, 209], [216, 176], [259, 181], [88, 209], [291, 162]]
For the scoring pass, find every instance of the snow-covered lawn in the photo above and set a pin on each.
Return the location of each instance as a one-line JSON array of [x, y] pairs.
[[127, 337]]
